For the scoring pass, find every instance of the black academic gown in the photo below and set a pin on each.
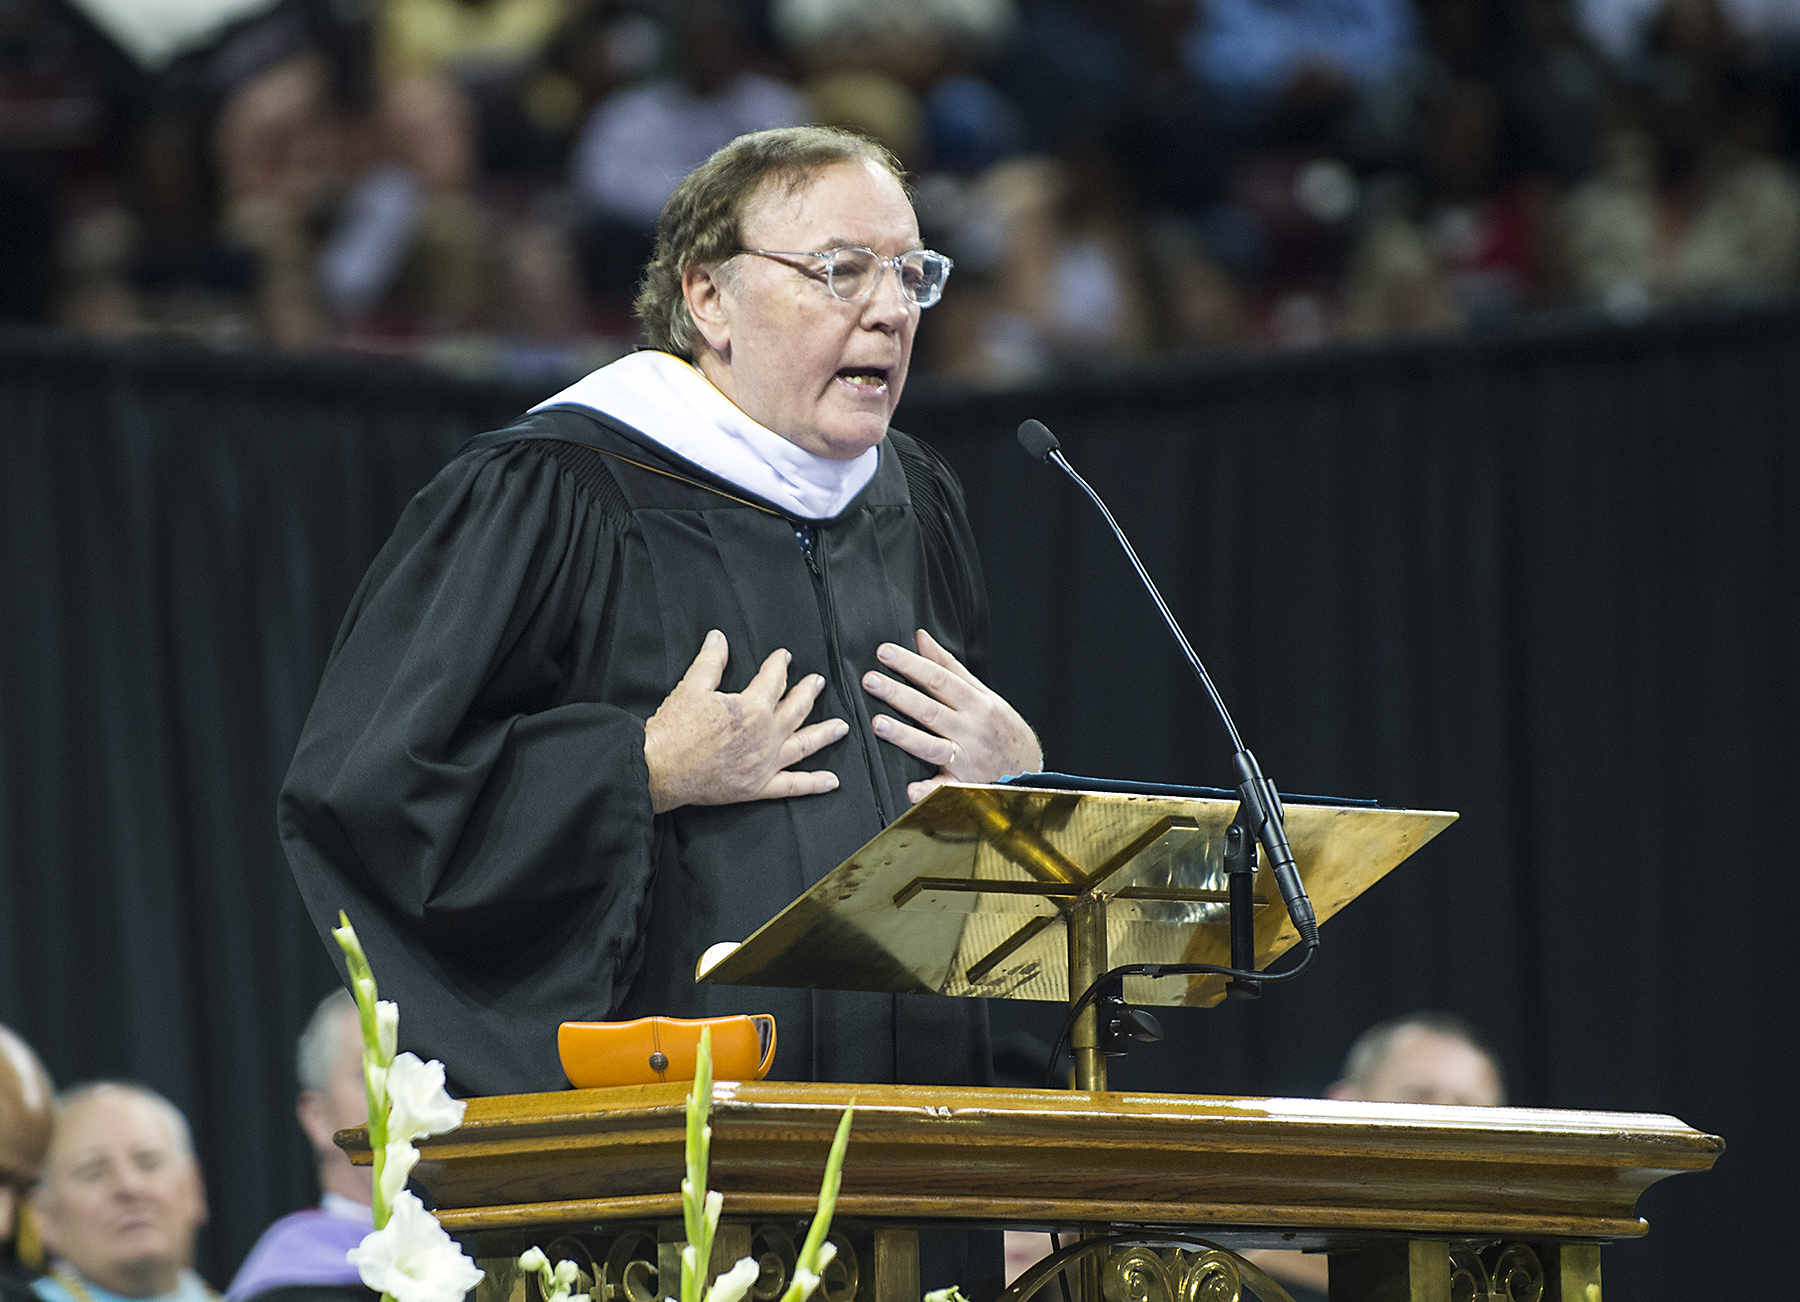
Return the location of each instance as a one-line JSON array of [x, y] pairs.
[[470, 785]]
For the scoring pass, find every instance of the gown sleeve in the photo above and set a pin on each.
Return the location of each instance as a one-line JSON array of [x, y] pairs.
[[443, 775]]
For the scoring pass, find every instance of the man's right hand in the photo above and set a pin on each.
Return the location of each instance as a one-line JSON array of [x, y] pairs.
[[707, 747]]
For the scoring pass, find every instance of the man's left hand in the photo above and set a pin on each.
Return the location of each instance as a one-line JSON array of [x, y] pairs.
[[967, 729]]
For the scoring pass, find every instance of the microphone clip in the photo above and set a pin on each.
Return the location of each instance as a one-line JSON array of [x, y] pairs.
[[1240, 878], [1119, 1022]]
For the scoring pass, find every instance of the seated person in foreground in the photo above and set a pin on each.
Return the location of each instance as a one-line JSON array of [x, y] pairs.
[[1423, 1057], [27, 1113], [300, 1258], [119, 1199], [637, 670]]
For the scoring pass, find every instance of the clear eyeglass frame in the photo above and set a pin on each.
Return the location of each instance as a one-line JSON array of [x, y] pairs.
[[846, 266]]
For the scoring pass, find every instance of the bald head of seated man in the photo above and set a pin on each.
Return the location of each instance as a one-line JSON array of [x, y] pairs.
[[1422, 1058], [119, 1199]]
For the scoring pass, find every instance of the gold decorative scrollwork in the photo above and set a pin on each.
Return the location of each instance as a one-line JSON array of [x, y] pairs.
[[1516, 1275], [775, 1253], [1187, 1269], [1212, 1276], [629, 1272], [837, 1282], [1136, 1274], [1468, 1277]]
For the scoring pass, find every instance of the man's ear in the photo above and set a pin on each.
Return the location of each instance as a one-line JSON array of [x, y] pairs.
[[706, 292], [202, 1213]]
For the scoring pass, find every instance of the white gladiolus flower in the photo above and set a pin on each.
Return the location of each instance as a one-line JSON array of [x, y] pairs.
[[533, 1259], [806, 1282], [565, 1275], [413, 1259], [387, 1027], [417, 1103], [715, 1204], [397, 1163], [734, 1283]]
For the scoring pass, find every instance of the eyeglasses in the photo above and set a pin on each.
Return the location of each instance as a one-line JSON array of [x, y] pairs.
[[851, 274]]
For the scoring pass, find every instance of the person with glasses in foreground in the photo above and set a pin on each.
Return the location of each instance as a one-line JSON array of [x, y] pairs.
[[637, 670]]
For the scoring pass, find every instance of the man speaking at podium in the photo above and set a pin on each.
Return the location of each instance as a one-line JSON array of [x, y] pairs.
[[637, 670]]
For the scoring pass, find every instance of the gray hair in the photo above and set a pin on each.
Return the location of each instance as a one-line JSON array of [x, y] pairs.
[[702, 221], [179, 1129], [316, 1053], [1371, 1049]]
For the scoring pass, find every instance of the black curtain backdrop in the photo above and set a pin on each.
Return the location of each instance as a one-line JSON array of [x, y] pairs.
[[1547, 579]]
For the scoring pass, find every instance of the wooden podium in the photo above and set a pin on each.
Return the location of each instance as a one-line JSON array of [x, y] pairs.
[[1016, 892], [1413, 1202]]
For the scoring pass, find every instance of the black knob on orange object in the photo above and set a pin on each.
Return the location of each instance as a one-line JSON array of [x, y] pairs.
[[659, 1061]]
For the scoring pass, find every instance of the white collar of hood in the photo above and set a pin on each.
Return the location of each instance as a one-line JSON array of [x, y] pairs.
[[668, 399]]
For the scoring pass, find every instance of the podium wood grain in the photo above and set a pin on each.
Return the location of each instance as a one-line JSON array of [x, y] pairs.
[[1304, 1172]]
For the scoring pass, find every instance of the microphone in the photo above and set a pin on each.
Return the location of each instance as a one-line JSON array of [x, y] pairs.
[[1256, 794]]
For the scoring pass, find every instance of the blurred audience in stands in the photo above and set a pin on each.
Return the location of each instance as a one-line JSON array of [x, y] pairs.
[[642, 139], [349, 167], [474, 181], [1693, 198]]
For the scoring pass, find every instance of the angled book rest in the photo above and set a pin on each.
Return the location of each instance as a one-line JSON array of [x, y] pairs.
[[1015, 892]]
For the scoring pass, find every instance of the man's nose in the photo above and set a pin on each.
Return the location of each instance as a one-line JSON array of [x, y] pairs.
[[128, 1182], [886, 304]]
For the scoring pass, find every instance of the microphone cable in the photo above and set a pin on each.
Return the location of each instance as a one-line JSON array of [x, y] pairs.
[[1159, 970]]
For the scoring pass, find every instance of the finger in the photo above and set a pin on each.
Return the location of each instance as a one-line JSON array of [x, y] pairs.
[[933, 650], [927, 746], [708, 668], [917, 791], [787, 783], [770, 683], [939, 680], [798, 703], [934, 714], [814, 737]]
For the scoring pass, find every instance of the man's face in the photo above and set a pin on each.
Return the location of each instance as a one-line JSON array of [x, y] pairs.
[[820, 372], [119, 1200], [1424, 1067], [342, 1103]]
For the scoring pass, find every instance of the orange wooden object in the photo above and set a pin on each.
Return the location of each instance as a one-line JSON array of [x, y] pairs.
[[658, 1050]]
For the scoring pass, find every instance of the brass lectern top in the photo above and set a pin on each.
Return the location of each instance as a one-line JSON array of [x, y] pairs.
[[965, 893]]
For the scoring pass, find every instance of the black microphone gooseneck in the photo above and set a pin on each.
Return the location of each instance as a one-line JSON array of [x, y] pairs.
[[1261, 806]]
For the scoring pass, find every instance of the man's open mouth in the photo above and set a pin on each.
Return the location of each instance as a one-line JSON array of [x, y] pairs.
[[869, 379]]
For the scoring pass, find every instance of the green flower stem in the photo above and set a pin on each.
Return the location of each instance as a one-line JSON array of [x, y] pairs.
[[699, 1154], [828, 1193], [362, 989]]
